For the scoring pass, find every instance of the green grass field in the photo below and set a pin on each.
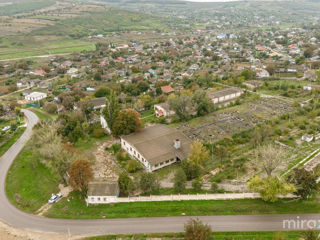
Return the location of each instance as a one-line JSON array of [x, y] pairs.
[[39, 48], [24, 6], [77, 209], [43, 115], [29, 182], [215, 236], [11, 141]]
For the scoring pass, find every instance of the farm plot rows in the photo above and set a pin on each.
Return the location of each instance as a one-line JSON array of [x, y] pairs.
[[227, 122]]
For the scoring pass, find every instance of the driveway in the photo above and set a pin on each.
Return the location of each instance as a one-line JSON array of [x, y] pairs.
[[16, 218]]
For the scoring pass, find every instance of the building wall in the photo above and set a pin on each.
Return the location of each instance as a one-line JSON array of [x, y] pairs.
[[135, 154], [164, 164], [101, 199], [30, 98], [226, 97]]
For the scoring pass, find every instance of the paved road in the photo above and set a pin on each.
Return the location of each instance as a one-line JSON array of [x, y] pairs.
[[16, 218]]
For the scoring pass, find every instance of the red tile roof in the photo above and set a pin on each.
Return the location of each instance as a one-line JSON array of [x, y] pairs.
[[167, 89]]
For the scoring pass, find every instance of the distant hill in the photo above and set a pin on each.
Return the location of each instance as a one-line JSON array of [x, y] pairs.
[[102, 22]]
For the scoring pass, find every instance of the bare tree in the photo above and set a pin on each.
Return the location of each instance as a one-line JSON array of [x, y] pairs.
[[269, 157]]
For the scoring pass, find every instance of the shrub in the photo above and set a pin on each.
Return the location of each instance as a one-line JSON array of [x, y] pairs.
[[98, 133], [133, 166], [196, 185], [196, 230], [115, 148], [214, 187]]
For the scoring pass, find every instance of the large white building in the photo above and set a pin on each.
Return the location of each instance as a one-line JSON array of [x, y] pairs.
[[157, 146], [35, 96], [225, 95]]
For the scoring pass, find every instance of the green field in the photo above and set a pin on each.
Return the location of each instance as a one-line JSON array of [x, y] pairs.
[[215, 236], [76, 208], [29, 48], [11, 141], [29, 182], [104, 22], [42, 114], [24, 7]]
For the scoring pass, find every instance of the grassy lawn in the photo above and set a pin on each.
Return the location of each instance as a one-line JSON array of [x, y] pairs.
[[215, 236], [77, 209], [11, 141], [43, 115], [29, 182]]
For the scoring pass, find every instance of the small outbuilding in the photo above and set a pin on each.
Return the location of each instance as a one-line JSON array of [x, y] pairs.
[[102, 192]]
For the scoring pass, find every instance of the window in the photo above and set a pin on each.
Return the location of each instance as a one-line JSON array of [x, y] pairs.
[[167, 161], [98, 199], [130, 148], [92, 199], [156, 165], [124, 143], [104, 199], [161, 163], [134, 152], [138, 155]]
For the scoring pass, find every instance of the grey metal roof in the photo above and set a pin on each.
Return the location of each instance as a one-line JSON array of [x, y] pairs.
[[156, 143], [224, 92], [103, 189]]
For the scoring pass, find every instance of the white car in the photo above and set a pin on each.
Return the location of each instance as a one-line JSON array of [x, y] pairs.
[[6, 128], [55, 197]]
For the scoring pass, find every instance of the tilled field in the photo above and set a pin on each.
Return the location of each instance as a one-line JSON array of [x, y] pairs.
[[232, 120]]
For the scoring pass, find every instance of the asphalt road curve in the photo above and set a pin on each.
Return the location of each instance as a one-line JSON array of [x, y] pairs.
[[16, 218]]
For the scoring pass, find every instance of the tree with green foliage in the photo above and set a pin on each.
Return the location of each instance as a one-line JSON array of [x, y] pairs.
[[112, 109], [261, 134], [195, 229], [198, 154], [102, 92], [305, 182], [270, 187], [180, 180], [191, 170], [248, 74], [182, 105], [148, 183], [125, 184], [197, 185], [221, 152], [202, 102], [128, 121], [133, 166]]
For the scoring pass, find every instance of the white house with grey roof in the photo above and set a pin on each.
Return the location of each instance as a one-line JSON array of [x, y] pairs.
[[35, 96], [224, 95], [157, 146], [102, 192]]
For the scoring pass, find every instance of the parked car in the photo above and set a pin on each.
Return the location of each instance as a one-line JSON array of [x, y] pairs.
[[55, 197], [6, 128]]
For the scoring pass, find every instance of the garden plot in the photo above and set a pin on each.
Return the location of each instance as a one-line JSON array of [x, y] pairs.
[[229, 121]]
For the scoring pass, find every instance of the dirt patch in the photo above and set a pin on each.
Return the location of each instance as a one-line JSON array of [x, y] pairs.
[[106, 166], [10, 233]]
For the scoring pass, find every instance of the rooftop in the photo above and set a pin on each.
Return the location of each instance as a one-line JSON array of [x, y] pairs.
[[156, 143], [224, 92], [103, 189]]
